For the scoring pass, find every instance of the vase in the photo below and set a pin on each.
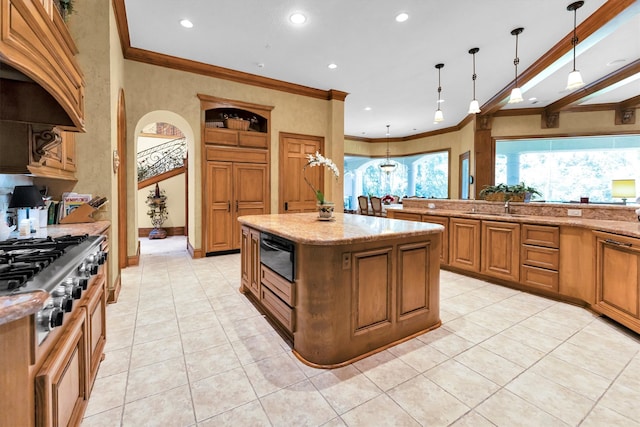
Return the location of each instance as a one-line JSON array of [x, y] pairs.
[[325, 210]]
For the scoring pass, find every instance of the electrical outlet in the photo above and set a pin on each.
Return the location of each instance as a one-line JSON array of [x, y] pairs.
[[574, 212]]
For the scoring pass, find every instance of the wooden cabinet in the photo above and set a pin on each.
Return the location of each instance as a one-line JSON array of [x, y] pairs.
[[95, 304], [501, 250], [464, 244], [250, 260], [277, 295], [618, 278], [540, 257], [235, 138], [444, 246], [234, 189], [407, 216]]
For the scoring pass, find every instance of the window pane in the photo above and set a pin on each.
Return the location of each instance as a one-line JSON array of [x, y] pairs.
[[566, 169]]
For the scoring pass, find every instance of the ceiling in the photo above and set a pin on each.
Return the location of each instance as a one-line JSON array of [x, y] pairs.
[[388, 68]]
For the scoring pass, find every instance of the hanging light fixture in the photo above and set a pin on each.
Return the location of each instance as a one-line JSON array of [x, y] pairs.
[[439, 117], [474, 106], [575, 79], [516, 93], [388, 165]]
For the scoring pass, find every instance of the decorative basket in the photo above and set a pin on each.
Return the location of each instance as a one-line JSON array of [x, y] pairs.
[[495, 197], [515, 197], [236, 124]]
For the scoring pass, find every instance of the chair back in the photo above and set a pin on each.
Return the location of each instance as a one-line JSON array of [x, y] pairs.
[[363, 204], [376, 206]]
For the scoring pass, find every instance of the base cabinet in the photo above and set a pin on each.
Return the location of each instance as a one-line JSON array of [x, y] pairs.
[[444, 247], [250, 261], [618, 278], [464, 244], [501, 250]]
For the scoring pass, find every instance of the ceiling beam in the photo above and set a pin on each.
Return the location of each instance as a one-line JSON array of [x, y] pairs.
[[600, 17]]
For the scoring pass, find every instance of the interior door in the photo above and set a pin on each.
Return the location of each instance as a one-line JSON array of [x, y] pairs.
[[219, 202], [251, 194], [294, 193]]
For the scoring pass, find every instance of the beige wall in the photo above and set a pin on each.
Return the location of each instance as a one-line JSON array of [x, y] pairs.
[[174, 190]]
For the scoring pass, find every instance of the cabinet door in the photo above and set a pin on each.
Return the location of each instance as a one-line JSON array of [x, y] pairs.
[[250, 194], [618, 279], [444, 246], [62, 382], [464, 244], [245, 257], [96, 302], [501, 250], [407, 216], [219, 200], [254, 278]]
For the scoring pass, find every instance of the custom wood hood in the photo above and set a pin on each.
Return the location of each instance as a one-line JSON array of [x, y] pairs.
[[40, 80]]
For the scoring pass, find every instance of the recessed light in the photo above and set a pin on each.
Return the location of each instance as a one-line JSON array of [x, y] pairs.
[[186, 23], [367, 108], [616, 62], [533, 98], [298, 18], [332, 66], [402, 16]]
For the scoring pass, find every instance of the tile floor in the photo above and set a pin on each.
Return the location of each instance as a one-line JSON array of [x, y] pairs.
[[185, 348]]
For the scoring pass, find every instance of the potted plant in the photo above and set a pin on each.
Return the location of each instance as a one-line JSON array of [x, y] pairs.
[[523, 192], [494, 193], [157, 203], [325, 208]]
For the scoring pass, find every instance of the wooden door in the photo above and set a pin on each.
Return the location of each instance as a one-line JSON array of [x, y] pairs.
[[294, 193], [464, 244], [250, 194], [219, 199]]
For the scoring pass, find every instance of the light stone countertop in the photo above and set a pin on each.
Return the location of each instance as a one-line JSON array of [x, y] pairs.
[[306, 228], [13, 307], [624, 228]]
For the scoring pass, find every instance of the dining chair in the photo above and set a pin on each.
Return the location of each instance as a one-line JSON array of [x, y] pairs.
[[363, 203], [376, 206]]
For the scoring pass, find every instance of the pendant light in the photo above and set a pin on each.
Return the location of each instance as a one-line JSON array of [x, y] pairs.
[[474, 106], [516, 93], [575, 79], [388, 165], [439, 117]]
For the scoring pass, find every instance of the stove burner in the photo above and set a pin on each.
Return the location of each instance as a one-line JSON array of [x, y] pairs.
[[60, 242]]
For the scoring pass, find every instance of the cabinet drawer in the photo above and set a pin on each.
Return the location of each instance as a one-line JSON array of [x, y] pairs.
[[539, 278], [541, 235], [281, 311], [220, 136], [279, 286], [253, 140], [537, 256]]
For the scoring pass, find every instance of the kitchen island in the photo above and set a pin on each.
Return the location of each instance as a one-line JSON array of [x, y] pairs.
[[360, 283]]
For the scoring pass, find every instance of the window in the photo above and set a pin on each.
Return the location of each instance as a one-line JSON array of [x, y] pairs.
[[422, 175], [566, 169]]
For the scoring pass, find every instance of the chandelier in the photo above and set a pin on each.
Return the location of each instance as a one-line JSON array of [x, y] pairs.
[[388, 165]]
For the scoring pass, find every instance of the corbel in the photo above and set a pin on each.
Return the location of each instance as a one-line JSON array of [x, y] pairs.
[[550, 119], [625, 116], [43, 139], [484, 122]]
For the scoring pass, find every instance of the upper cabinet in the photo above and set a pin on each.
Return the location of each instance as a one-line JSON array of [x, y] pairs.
[[235, 124], [40, 80]]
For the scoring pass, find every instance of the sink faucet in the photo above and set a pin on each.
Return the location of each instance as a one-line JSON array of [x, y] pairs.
[[507, 207]]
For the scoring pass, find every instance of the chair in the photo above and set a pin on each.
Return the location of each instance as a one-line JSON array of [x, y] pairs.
[[376, 206], [363, 203]]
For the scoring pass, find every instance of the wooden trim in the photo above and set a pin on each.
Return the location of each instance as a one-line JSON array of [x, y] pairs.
[[195, 253], [159, 178], [171, 231], [443, 131], [121, 178], [135, 259], [114, 293], [606, 13], [208, 102]]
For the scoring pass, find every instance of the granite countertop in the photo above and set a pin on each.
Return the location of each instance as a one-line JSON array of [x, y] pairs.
[[13, 307], [345, 229], [625, 228]]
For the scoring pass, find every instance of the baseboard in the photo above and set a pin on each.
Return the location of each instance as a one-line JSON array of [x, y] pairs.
[[171, 231], [115, 291], [195, 253], [134, 260]]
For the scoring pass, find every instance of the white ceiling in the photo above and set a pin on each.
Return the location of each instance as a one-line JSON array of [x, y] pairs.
[[390, 66]]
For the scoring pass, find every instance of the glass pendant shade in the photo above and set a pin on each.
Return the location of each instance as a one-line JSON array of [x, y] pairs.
[[474, 107], [388, 165], [439, 117], [575, 80], [516, 95]]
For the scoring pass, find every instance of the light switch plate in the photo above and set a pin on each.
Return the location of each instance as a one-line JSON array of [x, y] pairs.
[[574, 212]]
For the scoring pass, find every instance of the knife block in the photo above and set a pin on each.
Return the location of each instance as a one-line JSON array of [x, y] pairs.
[[80, 214]]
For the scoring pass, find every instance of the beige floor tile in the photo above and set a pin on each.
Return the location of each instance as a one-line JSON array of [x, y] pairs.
[[604, 362], [115, 362], [170, 408], [199, 340], [189, 308], [446, 341], [156, 331], [505, 409], [546, 327], [151, 314], [489, 365], [273, 373], [385, 370], [107, 393], [250, 414], [512, 350], [553, 398], [345, 388], [297, 405], [601, 416], [198, 322], [156, 378], [472, 419], [118, 338], [466, 385], [417, 354], [468, 330], [121, 320], [380, 411], [155, 351], [622, 400], [110, 418], [463, 304], [427, 403], [573, 377], [219, 393], [211, 361], [257, 347], [532, 338], [630, 377]]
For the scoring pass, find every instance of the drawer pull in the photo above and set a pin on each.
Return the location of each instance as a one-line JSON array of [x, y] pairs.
[[615, 242]]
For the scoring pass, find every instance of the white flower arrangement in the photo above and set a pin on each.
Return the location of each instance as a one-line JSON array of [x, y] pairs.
[[318, 159]]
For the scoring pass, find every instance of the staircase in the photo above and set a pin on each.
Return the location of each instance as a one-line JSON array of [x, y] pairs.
[[161, 162]]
